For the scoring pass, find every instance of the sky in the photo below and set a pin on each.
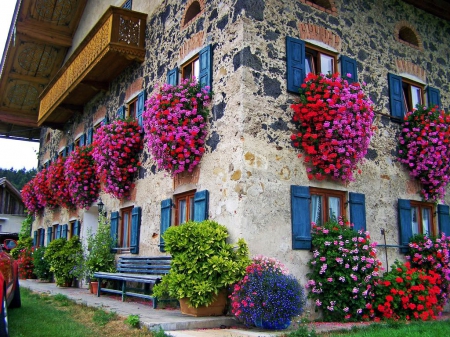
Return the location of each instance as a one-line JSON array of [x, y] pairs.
[[15, 154]]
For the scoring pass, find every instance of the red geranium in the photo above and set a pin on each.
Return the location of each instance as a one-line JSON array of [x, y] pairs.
[[58, 184]]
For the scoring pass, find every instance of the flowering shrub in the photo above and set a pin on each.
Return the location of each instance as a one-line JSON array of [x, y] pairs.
[[58, 184], [30, 199], [25, 263], [344, 269], [83, 183], [334, 121], [42, 191], [424, 147], [267, 296], [175, 125], [408, 293], [116, 151], [432, 254]]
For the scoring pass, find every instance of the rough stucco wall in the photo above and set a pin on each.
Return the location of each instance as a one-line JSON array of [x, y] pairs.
[[250, 164]]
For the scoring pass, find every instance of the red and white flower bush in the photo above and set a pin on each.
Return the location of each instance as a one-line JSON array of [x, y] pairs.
[[80, 172], [116, 151], [334, 121], [58, 184], [175, 125], [424, 147]]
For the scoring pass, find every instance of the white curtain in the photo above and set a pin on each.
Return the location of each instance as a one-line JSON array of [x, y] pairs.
[[334, 205], [415, 220], [316, 209]]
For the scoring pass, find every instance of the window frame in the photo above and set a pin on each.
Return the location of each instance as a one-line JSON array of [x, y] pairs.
[[420, 205], [316, 52], [407, 84], [189, 207], [120, 236], [194, 64], [39, 239], [325, 194], [132, 108]]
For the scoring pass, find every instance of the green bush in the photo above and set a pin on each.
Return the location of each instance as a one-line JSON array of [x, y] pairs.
[[202, 262], [22, 244], [133, 321], [25, 240], [41, 264]]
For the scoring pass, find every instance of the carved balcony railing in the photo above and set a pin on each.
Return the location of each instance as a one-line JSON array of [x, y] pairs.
[[117, 40]]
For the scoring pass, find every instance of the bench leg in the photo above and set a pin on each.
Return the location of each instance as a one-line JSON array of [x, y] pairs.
[[154, 302], [99, 287], [123, 290]]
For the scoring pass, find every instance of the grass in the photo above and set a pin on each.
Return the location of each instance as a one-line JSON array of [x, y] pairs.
[[42, 315]]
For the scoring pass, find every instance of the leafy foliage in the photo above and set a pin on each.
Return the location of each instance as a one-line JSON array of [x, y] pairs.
[[41, 264], [18, 177], [133, 321], [203, 263]]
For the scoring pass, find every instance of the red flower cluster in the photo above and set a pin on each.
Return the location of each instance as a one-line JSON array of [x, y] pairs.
[[116, 151], [408, 293], [30, 199], [83, 184], [58, 184], [334, 126], [43, 193], [25, 263]]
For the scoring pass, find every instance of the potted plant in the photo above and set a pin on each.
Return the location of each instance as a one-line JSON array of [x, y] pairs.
[[203, 266], [99, 256], [65, 258], [41, 265], [267, 297]]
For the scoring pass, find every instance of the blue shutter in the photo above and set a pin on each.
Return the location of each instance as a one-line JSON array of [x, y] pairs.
[[396, 96], [34, 238], [127, 4], [49, 235], [105, 120], [76, 228], [205, 62], [295, 62], [64, 152], [42, 238], [172, 76], [300, 217], [141, 106], [71, 147], [135, 229], [405, 223], [121, 112], [201, 205], [358, 211], [58, 232], [349, 66], [90, 136], [166, 221], [82, 139], [114, 227], [434, 97], [64, 231], [444, 219]]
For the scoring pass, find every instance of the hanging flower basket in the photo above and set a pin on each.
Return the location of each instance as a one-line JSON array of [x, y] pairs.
[[334, 120], [58, 184], [83, 183], [116, 150], [175, 125], [424, 148], [43, 193], [30, 199]]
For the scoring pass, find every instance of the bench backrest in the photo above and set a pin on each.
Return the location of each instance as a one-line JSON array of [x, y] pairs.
[[144, 265]]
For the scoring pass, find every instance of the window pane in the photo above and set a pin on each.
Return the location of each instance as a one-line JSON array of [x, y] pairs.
[[182, 211], [316, 209], [334, 208], [309, 64], [126, 219], [196, 68], [191, 208], [416, 97], [426, 221], [326, 64], [415, 220]]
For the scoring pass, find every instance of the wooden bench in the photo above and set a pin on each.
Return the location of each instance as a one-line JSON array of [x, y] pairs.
[[147, 270]]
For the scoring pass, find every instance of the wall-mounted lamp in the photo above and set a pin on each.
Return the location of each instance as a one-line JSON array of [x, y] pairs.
[[100, 206]]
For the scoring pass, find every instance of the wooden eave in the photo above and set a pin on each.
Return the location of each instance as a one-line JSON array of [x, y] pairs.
[[439, 8], [116, 41]]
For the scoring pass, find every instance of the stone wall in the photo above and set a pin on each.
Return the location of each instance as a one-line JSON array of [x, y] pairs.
[[250, 163]]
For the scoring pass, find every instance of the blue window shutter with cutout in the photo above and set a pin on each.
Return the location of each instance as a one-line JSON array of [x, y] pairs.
[[349, 66], [49, 235], [205, 62], [83, 139], [114, 227], [166, 221], [295, 62], [90, 136], [444, 219], [64, 231], [201, 205], [127, 4], [42, 237], [34, 238], [358, 211], [172, 76], [76, 228], [121, 112], [405, 223], [300, 217], [58, 232], [396, 96], [434, 97], [141, 106], [135, 229]]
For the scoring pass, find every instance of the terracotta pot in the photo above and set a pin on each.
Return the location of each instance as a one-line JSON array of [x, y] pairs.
[[94, 288], [216, 308]]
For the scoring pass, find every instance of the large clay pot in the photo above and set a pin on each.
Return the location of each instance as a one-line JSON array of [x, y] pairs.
[[216, 308], [94, 287]]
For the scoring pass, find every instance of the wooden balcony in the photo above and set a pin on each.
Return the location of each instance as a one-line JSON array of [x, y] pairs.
[[116, 41]]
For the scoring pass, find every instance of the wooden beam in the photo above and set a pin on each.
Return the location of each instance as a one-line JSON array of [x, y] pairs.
[[96, 85], [44, 34], [19, 119]]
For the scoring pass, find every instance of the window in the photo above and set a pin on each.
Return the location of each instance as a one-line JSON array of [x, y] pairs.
[[74, 229], [412, 95], [124, 237], [125, 229], [127, 4], [319, 61], [131, 112], [326, 205], [134, 108], [406, 34], [191, 12], [184, 207], [40, 236], [320, 205], [80, 141], [421, 218], [191, 69], [56, 232]]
